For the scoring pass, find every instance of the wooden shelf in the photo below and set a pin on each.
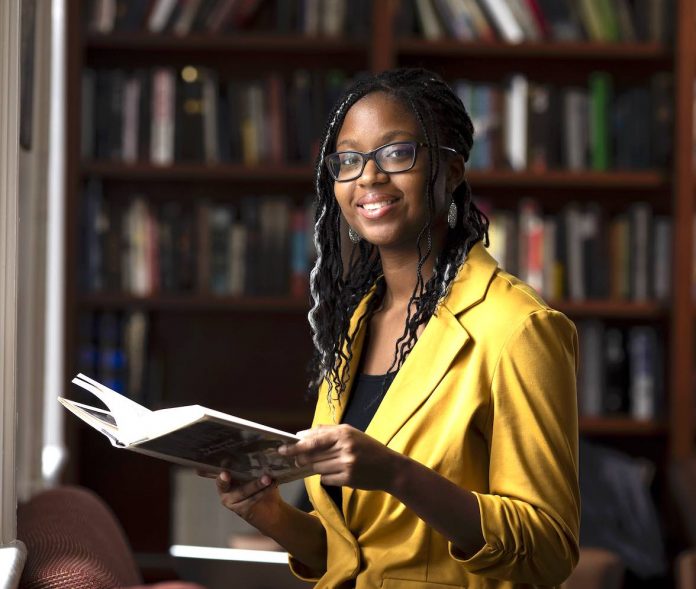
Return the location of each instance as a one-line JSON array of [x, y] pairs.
[[552, 51], [621, 426], [183, 171], [610, 309], [204, 302], [220, 44], [194, 302], [644, 181]]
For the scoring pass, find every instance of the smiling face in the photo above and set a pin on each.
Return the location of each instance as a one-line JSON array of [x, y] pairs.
[[388, 210]]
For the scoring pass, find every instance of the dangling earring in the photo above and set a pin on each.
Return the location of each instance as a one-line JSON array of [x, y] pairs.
[[354, 236], [452, 215]]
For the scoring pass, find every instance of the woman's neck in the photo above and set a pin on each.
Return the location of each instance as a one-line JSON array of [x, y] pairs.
[[400, 270]]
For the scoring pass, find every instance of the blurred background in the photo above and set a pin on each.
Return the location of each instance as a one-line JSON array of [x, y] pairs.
[[167, 150]]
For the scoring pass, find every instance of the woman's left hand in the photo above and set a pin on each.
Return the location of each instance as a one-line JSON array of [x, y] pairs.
[[345, 456]]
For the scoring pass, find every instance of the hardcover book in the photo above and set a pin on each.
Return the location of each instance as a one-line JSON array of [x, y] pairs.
[[192, 436]]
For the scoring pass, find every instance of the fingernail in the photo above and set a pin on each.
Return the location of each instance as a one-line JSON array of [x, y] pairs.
[[265, 480], [225, 477], [282, 449]]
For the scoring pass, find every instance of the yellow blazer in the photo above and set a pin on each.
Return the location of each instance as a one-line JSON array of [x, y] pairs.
[[487, 398]]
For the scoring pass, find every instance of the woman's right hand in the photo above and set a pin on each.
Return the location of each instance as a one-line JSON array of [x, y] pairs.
[[257, 502]]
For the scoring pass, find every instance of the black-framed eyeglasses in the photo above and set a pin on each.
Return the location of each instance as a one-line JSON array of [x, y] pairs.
[[391, 158]]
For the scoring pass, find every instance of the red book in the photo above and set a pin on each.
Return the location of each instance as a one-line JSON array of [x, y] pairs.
[[539, 18]]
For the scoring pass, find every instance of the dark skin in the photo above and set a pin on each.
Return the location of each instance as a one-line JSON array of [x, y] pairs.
[[341, 454]]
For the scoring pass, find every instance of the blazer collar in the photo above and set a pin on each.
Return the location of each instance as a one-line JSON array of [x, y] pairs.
[[435, 348]]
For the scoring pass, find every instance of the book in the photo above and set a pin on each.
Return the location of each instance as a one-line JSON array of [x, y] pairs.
[[193, 436]]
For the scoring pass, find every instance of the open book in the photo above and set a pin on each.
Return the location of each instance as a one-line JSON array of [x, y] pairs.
[[191, 436]]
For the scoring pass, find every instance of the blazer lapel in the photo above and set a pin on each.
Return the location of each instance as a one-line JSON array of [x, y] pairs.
[[442, 339], [435, 350]]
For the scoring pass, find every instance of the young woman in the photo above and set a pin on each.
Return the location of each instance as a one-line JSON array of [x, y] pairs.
[[445, 434]]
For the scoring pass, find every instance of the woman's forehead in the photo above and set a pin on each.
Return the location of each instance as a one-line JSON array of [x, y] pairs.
[[378, 113]]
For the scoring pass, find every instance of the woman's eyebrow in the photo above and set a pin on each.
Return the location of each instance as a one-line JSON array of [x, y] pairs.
[[386, 138]]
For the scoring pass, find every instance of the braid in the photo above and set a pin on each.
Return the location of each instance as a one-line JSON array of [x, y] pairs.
[[337, 291]]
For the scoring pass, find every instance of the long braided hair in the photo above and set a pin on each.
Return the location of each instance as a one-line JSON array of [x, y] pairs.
[[336, 291]]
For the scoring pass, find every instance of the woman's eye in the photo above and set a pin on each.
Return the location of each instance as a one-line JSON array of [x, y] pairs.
[[398, 153], [350, 160]]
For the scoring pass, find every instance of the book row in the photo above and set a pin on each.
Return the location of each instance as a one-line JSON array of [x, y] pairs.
[[528, 125], [514, 21], [164, 115], [112, 347], [329, 18], [258, 247], [621, 370], [190, 115], [581, 253]]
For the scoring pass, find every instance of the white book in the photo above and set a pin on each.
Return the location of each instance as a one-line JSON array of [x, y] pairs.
[[162, 126], [104, 16], [503, 19], [192, 436], [515, 130], [333, 17], [160, 14], [521, 13]]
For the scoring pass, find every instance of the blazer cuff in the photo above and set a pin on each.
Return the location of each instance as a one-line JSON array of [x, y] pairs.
[[302, 571], [490, 551]]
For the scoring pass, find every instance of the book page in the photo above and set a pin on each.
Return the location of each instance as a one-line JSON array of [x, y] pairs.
[[247, 453], [121, 407]]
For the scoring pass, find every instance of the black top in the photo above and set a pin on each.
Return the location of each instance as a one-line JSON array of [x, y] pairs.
[[368, 392]]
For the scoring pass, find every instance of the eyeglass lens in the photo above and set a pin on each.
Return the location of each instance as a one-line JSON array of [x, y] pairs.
[[393, 158]]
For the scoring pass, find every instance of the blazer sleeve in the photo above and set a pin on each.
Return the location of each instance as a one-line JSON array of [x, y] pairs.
[[301, 570], [530, 516]]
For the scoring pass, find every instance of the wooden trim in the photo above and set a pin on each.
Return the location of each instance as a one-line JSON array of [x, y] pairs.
[[643, 181], [621, 426], [681, 404], [195, 302], [239, 43], [9, 222], [382, 50]]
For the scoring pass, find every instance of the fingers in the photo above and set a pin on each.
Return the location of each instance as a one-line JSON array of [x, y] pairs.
[[209, 474], [232, 493], [315, 440]]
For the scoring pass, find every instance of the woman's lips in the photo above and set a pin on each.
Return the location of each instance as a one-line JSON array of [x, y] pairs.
[[377, 209]]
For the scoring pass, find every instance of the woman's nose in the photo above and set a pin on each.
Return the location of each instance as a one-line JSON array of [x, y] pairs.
[[371, 173]]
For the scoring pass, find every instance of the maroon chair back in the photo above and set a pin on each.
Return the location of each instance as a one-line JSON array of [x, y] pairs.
[[73, 541]]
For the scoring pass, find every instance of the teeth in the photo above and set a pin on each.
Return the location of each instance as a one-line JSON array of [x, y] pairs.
[[375, 206]]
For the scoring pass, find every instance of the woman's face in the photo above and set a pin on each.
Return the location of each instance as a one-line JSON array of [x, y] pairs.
[[388, 210]]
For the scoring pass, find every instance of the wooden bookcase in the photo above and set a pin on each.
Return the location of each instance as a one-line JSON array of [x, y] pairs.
[[248, 355]]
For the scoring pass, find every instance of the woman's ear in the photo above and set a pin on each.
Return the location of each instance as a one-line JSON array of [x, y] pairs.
[[455, 172]]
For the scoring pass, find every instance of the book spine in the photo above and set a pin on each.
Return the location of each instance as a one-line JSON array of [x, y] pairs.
[[163, 107]]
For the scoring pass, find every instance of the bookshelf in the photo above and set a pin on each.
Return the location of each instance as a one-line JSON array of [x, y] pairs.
[[197, 337]]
